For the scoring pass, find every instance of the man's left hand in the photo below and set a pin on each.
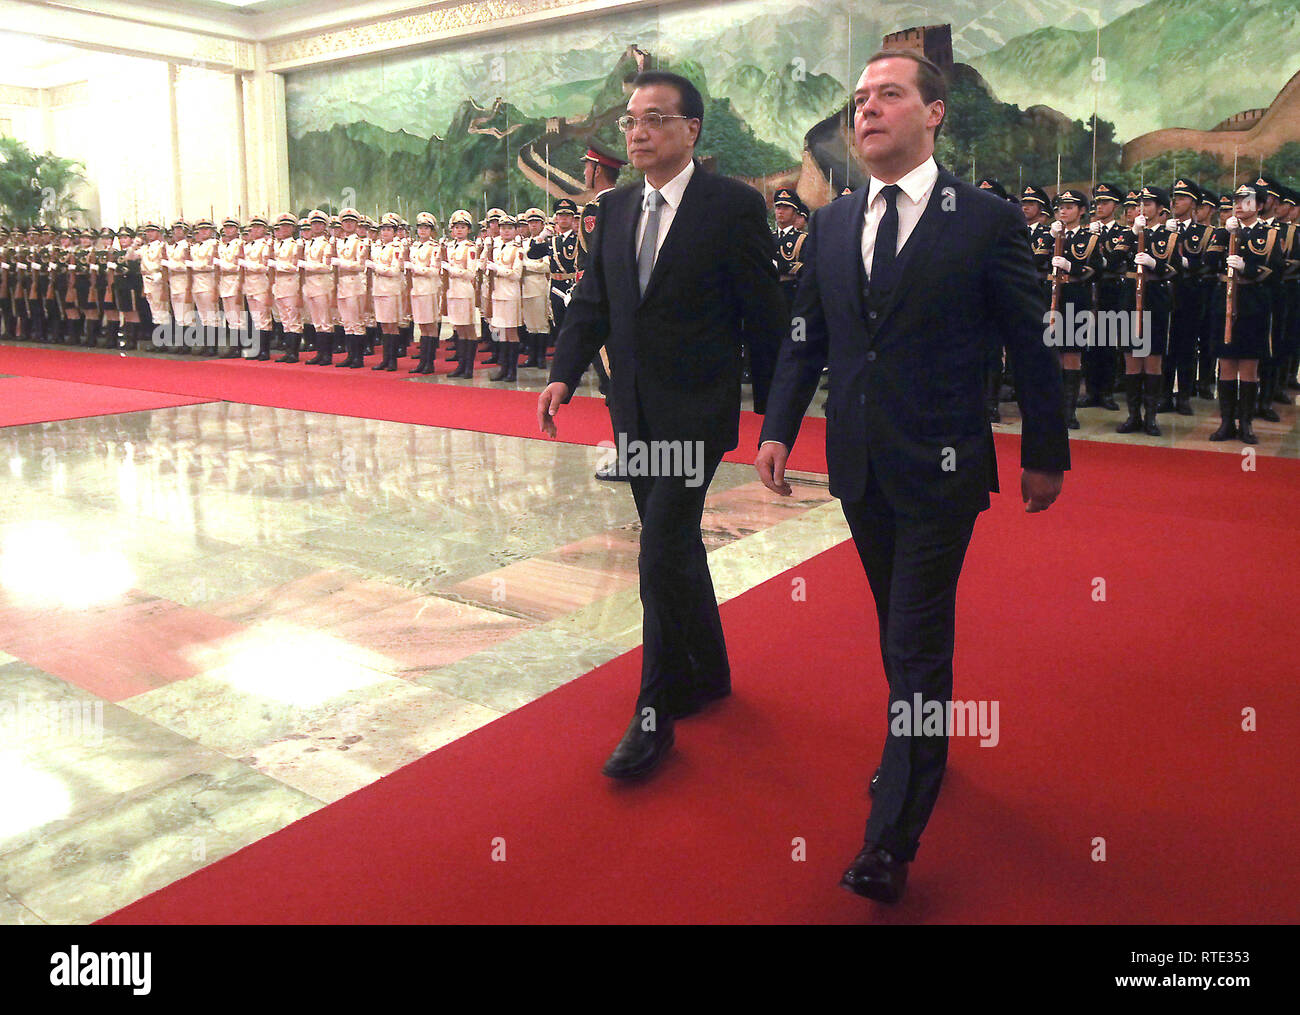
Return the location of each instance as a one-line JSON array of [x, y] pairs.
[[1040, 489]]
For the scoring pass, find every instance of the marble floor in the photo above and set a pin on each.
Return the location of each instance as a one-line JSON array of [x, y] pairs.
[[215, 619], [218, 618]]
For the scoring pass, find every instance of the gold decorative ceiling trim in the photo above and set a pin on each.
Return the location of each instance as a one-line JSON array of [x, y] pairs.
[[427, 27]]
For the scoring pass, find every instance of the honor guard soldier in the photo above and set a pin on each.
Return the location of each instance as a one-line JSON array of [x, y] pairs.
[[369, 228], [1101, 363], [1036, 207], [1153, 266], [461, 269], [537, 287], [153, 273], [507, 268], [789, 242], [1288, 356], [83, 287], [1072, 276], [424, 263], [1244, 303], [8, 321], [285, 288], [256, 254], [103, 285], [226, 258], [20, 285], [128, 288], [564, 261], [203, 284], [386, 265], [39, 293], [66, 290], [1271, 370], [994, 188], [406, 330], [1190, 295], [351, 255], [486, 252], [600, 173], [318, 284], [56, 301], [340, 336], [1207, 214], [178, 282]]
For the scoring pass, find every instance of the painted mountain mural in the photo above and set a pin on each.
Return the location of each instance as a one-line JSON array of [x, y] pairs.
[[506, 120]]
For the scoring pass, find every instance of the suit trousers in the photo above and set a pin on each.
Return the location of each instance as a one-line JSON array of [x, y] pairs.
[[684, 654], [912, 565]]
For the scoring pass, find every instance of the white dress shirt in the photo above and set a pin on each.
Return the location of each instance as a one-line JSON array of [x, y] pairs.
[[671, 193], [916, 187]]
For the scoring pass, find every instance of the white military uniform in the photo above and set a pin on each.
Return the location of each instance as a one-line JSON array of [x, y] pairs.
[[257, 281], [285, 288], [318, 281], [178, 281], [353, 252], [152, 255], [426, 282], [507, 294], [386, 261], [462, 266]]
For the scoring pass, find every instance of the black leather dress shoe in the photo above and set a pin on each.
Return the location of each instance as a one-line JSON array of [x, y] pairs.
[[874, 784], [639, 752], [1109, 404], [609, 472], [697, 702], [877, 874]]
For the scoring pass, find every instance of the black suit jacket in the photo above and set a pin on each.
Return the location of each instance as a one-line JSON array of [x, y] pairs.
[[907, 367], [674, 354]]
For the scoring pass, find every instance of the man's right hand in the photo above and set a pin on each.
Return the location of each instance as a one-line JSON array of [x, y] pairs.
[[770, 464], [548, 404]]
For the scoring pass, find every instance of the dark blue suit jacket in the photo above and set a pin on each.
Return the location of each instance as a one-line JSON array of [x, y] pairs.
[[906, 367]]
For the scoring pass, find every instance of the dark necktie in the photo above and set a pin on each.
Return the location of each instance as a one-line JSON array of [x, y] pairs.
[[882, 258]]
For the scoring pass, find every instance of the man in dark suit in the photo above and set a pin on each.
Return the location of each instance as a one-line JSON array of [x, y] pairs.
[[679, 276], [906, 288]]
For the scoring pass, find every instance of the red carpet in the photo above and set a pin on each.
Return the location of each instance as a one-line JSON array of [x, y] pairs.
[[38, 400], [1119, 720], [364, 393]]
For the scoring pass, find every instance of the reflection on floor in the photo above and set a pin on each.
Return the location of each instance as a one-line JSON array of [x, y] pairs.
[[215, 619]]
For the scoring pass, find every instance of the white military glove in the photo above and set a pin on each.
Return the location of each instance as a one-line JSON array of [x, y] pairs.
[[1144, 259], [1186, 263], [1094, 228], [1061, 263], [1057, 228], [1233, 224], [1139, 223], [1236, 262]]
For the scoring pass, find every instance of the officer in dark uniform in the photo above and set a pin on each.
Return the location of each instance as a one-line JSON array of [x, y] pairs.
[[1289, 224], [564, 262], [83, 285], [789, 242], [1101, 362], [128, 290], [1270, 367], [6, 279], [600, 173], [59, 254], [103, 289], [1253, 270], [1153, 270], [1190, 293], [40, 264], [1207, 214], [1079, 262]]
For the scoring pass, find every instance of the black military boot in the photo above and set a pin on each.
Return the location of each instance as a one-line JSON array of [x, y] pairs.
[[1280, 394], [1151, 385], [453, 350], [357, 351], [1168, 376], [509, 356], [1071, 378], [427, 347], [1264, 403], [1183, 402], [530, 342], [1133, 396], [1246, 411], [88, 332], [389, 359], [292, 340], [1292, 364], [1227, 411]]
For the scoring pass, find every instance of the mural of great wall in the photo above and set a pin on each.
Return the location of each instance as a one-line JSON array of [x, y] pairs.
[[1182, 87]]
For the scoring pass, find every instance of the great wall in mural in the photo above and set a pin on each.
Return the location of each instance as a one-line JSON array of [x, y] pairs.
[[506, 122]]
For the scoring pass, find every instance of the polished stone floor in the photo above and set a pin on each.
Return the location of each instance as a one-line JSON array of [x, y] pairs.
[[215, 619]]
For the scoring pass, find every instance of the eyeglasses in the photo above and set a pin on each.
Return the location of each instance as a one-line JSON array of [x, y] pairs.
[[651, 121]]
